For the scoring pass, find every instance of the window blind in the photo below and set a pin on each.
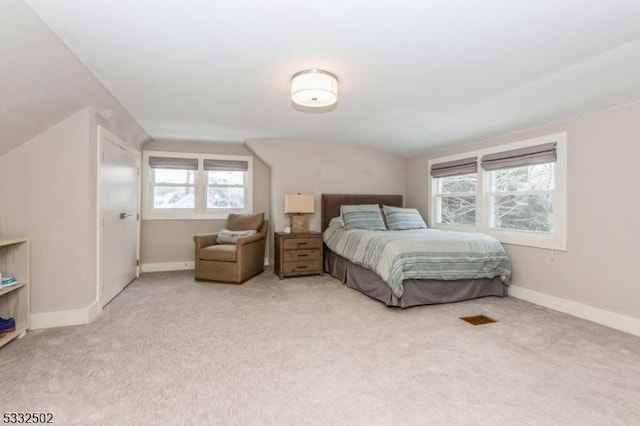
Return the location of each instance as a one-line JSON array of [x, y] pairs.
[[226, 165], [455, 168], [173, 163], [529, 156]]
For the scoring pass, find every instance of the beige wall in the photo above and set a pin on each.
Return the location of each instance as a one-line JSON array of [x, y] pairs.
[[603, 210], [48, 192], [280, 167], [168, 241], [43, 83], [317, 168], [51, 105], [44, 188]]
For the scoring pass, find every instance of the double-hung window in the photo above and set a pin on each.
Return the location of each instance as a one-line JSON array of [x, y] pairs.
[[520, 188], [173, 182], [226, 183], [515, 192], [455, 189], [196, 186]]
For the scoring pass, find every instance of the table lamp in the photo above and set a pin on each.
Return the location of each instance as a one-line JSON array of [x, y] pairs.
[[298, 206]]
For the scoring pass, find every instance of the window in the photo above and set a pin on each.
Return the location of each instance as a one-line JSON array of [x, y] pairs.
[[455, 199], [173, 182], [196, 186], [516, 192], [455, 187], [226, 184], [521, 198]]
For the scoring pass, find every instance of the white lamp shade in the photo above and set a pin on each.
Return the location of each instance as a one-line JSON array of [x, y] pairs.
[[298, 203], [314, 88]]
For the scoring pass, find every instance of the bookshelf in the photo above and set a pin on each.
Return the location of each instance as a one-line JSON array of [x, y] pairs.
[[14, 299]]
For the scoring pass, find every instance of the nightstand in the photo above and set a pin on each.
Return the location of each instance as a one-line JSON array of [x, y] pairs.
[[298, 254]]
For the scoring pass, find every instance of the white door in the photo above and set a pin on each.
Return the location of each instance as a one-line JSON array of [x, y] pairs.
[[118, 222]]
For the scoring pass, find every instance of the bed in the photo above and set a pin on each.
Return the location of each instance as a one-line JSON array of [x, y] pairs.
[[414, 291]]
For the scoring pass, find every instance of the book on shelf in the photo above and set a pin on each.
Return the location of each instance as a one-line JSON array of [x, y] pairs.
[[6, 282]]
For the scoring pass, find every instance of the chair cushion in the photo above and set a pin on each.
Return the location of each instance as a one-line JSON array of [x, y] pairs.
[[219, 252], [243, 222]]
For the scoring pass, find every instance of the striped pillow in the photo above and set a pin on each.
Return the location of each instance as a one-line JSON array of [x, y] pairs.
[[362, 216], [399, 218]]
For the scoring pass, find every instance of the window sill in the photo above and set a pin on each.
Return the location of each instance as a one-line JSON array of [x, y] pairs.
[[190, 215], [525, 239], [516, 238]]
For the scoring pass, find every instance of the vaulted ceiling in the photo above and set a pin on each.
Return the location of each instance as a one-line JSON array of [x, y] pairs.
[[414, 75]]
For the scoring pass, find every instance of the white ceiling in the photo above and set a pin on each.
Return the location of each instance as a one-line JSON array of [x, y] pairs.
[[414, 75]]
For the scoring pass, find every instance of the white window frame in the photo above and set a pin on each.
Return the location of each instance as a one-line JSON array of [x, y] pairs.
[[557, 240], [200, 211]]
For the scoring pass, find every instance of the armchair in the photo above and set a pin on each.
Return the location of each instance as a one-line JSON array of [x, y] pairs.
[[232, 263]]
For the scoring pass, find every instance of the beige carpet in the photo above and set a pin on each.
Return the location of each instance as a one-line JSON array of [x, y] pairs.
[[169, 350]]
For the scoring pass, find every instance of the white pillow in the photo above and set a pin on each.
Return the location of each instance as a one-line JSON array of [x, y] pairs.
[[230, 237]]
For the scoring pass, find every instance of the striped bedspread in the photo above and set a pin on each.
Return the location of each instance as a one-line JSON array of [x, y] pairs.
[[421, 254]]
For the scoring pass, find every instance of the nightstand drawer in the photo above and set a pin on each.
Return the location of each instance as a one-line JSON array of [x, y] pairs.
[[303, 266], [302, 242], [299, 255]]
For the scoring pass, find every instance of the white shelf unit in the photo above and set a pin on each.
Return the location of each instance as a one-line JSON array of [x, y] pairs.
[[15, 299]]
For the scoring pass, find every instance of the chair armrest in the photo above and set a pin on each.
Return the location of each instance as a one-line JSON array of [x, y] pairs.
[[250, 239], [204, 240], [250, 255]]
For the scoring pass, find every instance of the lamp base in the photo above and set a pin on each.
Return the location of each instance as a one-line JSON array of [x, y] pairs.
[[299, 224]]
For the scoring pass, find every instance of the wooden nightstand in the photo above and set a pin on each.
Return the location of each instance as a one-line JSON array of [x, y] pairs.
[[298, 254]]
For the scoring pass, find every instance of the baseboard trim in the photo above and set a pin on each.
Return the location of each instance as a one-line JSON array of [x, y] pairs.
[[94, 310], [168, 266], [175, 266], [52, 319], [600, 316]]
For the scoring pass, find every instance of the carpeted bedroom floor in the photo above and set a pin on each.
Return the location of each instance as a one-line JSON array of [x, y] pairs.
[[169, 350]]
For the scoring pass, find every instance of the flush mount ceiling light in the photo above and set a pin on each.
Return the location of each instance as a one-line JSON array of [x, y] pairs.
[[314, 88]]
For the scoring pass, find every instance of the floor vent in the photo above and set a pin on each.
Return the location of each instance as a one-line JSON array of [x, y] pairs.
[[478, 320]]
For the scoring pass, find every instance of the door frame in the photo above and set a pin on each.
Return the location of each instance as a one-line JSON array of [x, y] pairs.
[[112, 138]]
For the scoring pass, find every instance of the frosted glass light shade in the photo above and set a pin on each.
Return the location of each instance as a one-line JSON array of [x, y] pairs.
[[298, 203], [314, 88]]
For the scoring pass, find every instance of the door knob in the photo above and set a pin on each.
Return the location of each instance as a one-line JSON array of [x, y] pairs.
[[124, 215]]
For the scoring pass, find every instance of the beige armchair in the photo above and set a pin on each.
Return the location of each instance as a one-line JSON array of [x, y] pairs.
[[232, 263]]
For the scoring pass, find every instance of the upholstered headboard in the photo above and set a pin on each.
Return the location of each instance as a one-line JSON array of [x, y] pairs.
[[330, 203]]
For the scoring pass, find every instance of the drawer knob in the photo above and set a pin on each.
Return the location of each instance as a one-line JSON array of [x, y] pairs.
[[303, 255]]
